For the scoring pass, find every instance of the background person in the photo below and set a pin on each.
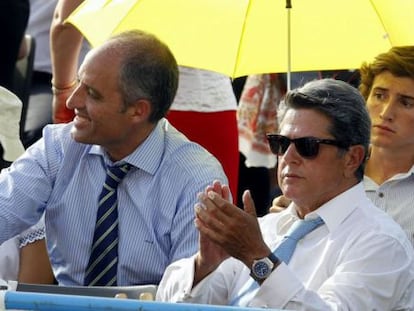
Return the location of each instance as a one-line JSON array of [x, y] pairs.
[[204, 110], [387, 85], [13, 21], [355, 250]]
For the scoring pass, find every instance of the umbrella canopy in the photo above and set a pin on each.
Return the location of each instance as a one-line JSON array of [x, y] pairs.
[[242, 37]]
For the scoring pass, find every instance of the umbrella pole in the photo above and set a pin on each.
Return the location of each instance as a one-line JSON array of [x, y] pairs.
[[288, 78]]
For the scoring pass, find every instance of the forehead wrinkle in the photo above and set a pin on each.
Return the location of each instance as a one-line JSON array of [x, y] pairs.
[[302, 123]]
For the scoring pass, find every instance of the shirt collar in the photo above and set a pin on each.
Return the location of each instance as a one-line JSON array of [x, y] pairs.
[[333, 212], [371, 185], [148, 155]]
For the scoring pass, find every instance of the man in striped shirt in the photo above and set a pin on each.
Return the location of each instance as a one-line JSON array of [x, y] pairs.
[[123, 91]]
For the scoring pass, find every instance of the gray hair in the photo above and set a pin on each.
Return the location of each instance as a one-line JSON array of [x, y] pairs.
[[148, 70], [342, 104]]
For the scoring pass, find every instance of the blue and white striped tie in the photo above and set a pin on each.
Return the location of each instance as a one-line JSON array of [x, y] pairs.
[[103, 261]]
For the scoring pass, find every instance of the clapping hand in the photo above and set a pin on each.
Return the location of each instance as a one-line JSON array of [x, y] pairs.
[[226, 230]]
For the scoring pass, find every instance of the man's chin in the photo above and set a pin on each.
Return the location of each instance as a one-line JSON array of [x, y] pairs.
[[80, 136]]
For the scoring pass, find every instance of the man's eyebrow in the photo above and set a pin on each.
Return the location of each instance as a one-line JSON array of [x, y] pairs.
[[384, 89], [380, 88], [403, 96]]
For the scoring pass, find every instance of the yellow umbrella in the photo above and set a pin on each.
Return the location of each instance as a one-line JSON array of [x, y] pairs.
[[242, 37]]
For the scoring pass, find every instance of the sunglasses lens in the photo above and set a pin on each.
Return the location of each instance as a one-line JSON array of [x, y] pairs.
[[278, 144], [307, 147], [284, 143]]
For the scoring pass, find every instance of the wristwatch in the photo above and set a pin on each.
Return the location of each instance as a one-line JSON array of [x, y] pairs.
[[261, 268]]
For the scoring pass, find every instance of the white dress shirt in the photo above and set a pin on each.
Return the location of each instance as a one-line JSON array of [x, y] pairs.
[[395, 196], [360, 259]]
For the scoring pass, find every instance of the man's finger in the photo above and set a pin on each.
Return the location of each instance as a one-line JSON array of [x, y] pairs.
[[248, 203], [225, 192], [219, 204], [217, 199]]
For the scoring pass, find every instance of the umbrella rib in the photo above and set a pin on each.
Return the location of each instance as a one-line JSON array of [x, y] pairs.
[[241, 38], [381, 20]]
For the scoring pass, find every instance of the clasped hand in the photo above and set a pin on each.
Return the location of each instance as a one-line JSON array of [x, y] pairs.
[[226, 230]]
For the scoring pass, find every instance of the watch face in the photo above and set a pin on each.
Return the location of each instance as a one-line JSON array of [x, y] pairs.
[[261, 269]]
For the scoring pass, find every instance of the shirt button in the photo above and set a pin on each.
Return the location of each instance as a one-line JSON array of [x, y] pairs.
[[381, 194]]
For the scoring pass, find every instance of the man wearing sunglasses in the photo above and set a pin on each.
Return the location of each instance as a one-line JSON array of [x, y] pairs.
[[387, 84], [353, 257]]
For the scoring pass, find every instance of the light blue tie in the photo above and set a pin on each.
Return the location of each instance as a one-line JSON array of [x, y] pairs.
[[299, 229], [284, 252]]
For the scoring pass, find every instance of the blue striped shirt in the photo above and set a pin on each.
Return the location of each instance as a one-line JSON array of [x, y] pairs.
[[156, 199]]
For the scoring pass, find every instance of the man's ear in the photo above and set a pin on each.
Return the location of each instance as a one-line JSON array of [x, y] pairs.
[[140, 110], [353, 159]]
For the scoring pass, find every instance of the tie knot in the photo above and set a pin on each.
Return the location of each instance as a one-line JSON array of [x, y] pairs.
[[116, 173], [302, 227]]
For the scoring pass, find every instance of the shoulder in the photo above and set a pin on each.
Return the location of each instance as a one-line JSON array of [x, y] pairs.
[[370, 224], [192, 158], [185, 152]]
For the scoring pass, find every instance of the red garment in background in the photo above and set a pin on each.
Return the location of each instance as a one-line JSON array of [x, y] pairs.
[[215, 131]]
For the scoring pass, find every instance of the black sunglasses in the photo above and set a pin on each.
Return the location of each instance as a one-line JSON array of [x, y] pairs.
[[307, 147]]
